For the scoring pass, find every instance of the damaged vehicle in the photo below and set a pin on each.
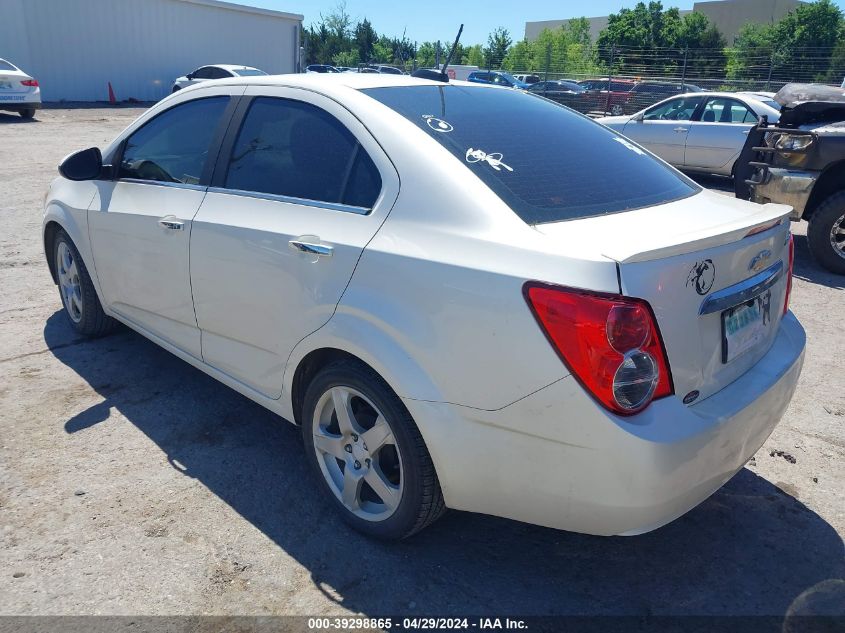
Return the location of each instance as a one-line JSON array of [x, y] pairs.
[[800, 161]]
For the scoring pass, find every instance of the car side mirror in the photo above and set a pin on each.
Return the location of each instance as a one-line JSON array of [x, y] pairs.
[[86, 164], [189, 76], [639, 117]]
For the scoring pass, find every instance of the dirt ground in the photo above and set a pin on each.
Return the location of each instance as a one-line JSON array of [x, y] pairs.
[[131, 483]]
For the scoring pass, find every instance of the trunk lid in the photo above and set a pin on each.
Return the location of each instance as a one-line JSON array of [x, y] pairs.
[[10, 82], [695, 261]]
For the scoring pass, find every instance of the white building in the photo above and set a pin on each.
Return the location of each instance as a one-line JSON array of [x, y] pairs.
[[76, 47]]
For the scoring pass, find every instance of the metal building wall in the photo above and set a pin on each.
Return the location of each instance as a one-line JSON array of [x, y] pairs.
[[75, 47]]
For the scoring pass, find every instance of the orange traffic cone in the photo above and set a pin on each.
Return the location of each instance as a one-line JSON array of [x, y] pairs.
[[112, 99]]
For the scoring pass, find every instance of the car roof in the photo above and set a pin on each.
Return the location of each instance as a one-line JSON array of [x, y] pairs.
[[231, 66], [336, 83]]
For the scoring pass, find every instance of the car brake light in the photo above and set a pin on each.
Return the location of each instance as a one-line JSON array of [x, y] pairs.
[[789, 273], [32, 83], [610, 343]]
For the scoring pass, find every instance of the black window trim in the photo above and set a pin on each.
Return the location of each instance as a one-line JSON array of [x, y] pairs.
[[213, 148], [217, 180]]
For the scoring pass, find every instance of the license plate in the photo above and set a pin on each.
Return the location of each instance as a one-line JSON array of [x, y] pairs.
[[744, 326]]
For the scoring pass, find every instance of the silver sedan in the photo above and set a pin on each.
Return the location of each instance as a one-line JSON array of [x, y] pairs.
[[697, 131]]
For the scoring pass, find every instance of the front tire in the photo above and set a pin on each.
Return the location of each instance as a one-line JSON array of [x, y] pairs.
[[28, 113], [79, 298], [826, 233], [368, 454]]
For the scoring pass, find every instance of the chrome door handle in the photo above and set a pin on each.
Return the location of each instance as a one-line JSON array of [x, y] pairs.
[[171, 223], [680, 129], [313, 249]]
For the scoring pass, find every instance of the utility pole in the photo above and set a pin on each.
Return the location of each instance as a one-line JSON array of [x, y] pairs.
[[771, 65], [610, 77], [684, 72]]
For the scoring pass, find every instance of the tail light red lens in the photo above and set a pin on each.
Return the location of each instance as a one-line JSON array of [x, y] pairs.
[[789, 274], [32, 83], [611, 344]]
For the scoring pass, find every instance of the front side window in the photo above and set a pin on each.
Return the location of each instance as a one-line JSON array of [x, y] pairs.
[[680, 109], [218, 73], [577, 169], [203, 73], [297, 150], [173, 147]]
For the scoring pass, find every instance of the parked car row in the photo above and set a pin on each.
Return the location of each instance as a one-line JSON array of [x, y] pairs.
[[363, 68], [19, 92]]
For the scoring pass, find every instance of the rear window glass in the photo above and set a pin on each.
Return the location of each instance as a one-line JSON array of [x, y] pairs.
[[4, 65], [249, 72], [547, 162]]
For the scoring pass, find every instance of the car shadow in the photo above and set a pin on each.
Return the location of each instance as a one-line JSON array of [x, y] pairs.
[[806, 268], [10, 118], [750, 549]]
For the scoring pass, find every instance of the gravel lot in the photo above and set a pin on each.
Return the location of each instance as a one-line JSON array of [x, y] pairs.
[[131, 483]]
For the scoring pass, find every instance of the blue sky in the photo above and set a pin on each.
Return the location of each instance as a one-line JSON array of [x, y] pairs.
[[439, 19]]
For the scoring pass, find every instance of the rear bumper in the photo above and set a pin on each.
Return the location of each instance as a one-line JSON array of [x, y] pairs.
[[26, 102], [557, 459], [786, 186]]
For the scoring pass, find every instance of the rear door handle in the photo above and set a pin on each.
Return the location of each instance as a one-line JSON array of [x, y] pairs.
[[312, 248], [680, 129], [171, 222]]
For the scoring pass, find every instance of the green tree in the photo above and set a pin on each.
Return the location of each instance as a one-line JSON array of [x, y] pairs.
[[365, 39], [425, 55], [704, 45], [347, 58], [498, 43], [474, 56]]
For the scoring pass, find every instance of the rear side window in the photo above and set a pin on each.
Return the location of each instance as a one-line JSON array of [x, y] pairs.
[[575, 168], [4, 65], [173, 147], [294, 149], [721, 110]]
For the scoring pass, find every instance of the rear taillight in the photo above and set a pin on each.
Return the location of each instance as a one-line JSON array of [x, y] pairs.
[[611, 344], [32, 83], [789, 274]]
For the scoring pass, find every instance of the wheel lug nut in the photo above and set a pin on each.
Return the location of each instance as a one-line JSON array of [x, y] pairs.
[[347, 448], [354, 438], [368, 462], [357, 464]]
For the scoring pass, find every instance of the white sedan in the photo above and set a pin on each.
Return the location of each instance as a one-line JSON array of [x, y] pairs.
[[508, 331], [215, 71], [697, 131], [19, 92]]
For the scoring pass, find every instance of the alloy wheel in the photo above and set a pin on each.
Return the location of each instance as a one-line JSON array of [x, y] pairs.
[[357, 453], [69, 283], [837, 236]]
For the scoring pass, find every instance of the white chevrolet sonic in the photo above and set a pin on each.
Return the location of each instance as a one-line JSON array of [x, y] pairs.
[[466, 296]]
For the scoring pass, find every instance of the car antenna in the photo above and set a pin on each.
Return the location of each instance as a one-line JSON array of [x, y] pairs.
[[439, 75]]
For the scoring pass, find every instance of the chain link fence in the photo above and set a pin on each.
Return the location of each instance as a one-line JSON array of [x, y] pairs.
[[619, 79]]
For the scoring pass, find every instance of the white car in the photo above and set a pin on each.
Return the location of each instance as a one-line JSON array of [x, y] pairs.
[[19, 92], [697, 131], [215, 71], [569, 333]]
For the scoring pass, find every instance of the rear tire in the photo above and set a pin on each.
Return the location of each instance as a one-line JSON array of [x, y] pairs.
[[28, 113], [405, 495], [79, 298], [826, 233]]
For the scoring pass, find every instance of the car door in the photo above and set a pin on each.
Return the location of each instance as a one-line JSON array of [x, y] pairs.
[[717, 137], [300, 188], [140, 223], [663, 128]]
